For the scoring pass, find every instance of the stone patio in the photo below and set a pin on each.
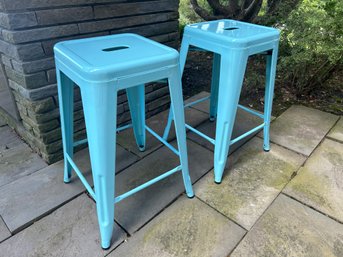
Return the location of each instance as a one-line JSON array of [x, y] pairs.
[[288, 202]]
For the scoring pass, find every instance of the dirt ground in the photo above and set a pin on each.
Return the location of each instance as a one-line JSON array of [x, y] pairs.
[[197, 78]]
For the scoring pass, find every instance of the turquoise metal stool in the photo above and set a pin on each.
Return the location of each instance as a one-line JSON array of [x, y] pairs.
[[232, 42], [100, 67]]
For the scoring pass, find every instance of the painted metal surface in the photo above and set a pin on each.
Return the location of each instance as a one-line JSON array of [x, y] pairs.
[[102, 66], [232, 42]]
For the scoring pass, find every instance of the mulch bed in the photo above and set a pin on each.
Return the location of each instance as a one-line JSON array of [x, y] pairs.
[[329, 98]]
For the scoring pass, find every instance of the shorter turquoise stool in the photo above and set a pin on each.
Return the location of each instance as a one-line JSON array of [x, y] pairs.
[[101, 67], [232, 42]]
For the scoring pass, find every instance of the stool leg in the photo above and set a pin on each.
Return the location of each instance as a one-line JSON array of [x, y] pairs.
[[100, 105], [183, 56], [175, 88], [269, 94], [66, 103], [214, 86], [169, 122], [232, 69], [136, 99]]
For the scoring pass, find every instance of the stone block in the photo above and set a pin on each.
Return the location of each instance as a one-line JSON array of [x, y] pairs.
[[33, 66], [289, 228], [127, 9], [13, 5], [251, 181], [319, 183], [150, 29], [28, 52], [51, 136], [157, 94], [29, 35], [41, 127], [158, 102], [186, 228], [40, 106], [6, 61], [48, 45], [31, 81], [64, 15], [44, 117], [51, 74], [39, 93], [116, 23], [22, 52], [19, 20]]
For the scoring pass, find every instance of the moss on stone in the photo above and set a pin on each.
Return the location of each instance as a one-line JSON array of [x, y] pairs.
[[252, 183], [316, 192]]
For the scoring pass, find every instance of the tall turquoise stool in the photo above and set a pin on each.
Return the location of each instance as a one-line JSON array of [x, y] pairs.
[[232, 42], [100, 67]]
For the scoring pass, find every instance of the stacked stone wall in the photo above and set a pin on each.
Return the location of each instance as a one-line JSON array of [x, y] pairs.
[[29, 30]]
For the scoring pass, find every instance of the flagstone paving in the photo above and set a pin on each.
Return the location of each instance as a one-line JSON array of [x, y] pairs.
[[134, 212], [252, 181], [4, 232], [301, 128], [71, 231], [243, 123], [157, 123], [186, 228], [16, 157], [2, 122], [337, 131], [287, 202], [320, 182], [17, 162], [28, 198], [8, 138], [289, 228]]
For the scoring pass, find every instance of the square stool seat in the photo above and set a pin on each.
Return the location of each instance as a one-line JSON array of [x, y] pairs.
[[108, 58], [232, 33]]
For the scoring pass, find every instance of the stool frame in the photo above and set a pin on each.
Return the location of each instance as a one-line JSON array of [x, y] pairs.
[[229, 65], [99, 100]]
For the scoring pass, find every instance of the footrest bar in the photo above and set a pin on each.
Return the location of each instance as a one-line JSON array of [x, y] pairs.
[[197, 101], [124, 127], [194, 48], [211, 140], [246, 134], [251, 111], [80, 142], [80, 175], [162, 140], [84, 141], [146, 184]]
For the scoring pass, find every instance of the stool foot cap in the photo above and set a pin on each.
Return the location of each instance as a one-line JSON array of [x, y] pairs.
[[105, 249], [191, 197], [67, 182], [218, 183], [266, 150], [212, 119], [141, 148]]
